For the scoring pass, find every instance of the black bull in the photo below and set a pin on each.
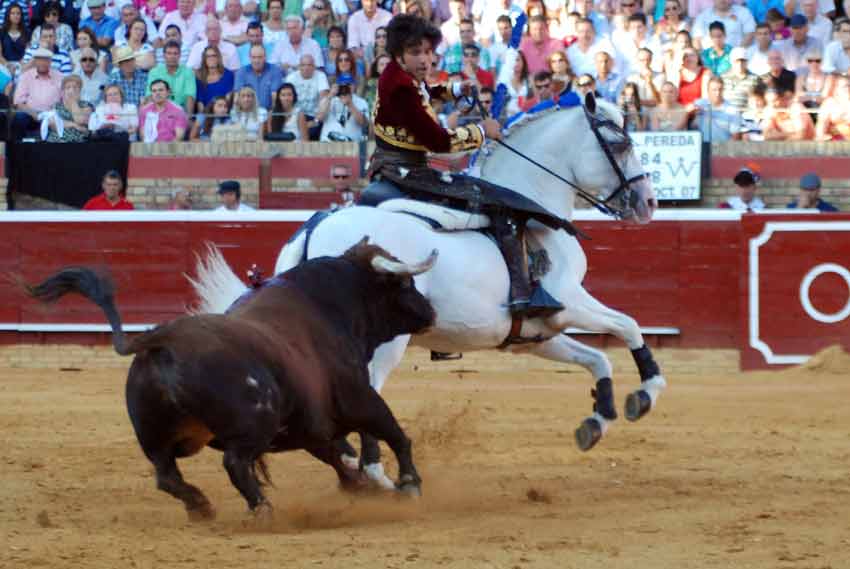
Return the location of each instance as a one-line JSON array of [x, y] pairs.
[[285, 369]]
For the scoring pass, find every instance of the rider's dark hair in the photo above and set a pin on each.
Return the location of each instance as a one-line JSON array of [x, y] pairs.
[[407, 30]]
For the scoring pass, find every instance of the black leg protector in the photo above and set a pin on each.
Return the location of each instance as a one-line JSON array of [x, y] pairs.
[[645, 363], [370, 452], [344, 447], [603, 397]]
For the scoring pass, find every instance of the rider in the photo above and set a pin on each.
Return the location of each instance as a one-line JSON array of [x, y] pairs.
[[406, 128]]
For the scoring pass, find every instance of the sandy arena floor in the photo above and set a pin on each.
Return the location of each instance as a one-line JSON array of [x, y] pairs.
[[730, 471]]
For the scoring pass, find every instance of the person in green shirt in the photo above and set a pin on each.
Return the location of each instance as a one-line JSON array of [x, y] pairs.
[[716, 57], [180, 78]]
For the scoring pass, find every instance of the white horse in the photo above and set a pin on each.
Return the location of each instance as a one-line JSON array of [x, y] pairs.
[[468, 286]]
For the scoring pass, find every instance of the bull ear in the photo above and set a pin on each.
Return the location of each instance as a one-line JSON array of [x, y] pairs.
[[364, 241], [590, 102]]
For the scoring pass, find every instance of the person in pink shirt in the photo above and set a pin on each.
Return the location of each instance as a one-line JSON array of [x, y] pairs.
[[213, 38], [162, 120], [156, 10], [363, 24], [538, 46], [39, 89], [234, 25], [184, 17]]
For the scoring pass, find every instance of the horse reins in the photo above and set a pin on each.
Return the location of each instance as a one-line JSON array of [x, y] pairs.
[[601, 205]]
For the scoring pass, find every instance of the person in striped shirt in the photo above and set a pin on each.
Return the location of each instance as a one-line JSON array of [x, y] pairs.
[[61, 61]]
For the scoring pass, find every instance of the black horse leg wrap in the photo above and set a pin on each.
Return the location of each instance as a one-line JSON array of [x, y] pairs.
[[645, 363], [603, 397], [370, 453]]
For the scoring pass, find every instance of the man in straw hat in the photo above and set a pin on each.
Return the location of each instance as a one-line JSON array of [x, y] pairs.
[[132, 81]]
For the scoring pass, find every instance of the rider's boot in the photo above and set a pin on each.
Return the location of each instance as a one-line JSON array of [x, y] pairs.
[[525, 300]]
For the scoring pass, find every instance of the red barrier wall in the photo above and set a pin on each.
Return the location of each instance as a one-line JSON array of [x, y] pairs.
[[795, 296], [688, 271]]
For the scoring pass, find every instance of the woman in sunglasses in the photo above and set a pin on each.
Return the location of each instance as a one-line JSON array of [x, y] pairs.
[[812, 82], [87, 39]]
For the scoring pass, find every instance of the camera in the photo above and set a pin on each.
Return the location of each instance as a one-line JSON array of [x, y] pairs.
[[344, 90]]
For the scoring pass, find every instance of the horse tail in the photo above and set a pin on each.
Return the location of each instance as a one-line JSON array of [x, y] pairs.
[[216, 285], [292, 254], [98, 288], [295, 251]]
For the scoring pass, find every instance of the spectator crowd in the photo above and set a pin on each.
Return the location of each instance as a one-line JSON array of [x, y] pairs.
[[166, 70]]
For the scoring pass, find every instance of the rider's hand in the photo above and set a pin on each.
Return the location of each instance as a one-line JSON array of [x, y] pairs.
[[492, 129], [466, 87]]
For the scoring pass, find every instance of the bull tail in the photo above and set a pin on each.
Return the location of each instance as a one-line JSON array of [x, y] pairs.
[[95, 287], [216, 285]]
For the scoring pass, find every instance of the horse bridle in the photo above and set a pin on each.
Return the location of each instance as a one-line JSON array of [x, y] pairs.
[[628, 198]]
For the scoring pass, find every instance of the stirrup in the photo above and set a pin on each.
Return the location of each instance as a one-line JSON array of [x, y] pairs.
[[541, 303]]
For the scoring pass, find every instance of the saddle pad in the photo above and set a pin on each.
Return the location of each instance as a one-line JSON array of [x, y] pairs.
[[444, 218]]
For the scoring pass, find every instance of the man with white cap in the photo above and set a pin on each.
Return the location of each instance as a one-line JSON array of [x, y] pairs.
[[60, 60], [809, 196], [102, 25], [131, 80], [738, 81], [38, 90]]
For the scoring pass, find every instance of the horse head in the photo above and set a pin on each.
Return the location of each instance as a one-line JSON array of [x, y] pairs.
[[577, 148], [615, 171]]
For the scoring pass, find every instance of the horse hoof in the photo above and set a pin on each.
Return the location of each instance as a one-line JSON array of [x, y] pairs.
[[638, 404], [588, 434], [409, 487]]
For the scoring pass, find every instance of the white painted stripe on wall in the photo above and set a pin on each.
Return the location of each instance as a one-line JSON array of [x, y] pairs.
[[300, 215]]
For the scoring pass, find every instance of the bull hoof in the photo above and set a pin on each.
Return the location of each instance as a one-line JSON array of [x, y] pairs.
[[638, 404], [410, 487], [201, 513], [264, 512], [588, 434]]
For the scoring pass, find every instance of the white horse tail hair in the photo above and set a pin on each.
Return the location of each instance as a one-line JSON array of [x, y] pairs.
[[291, 254], [215, 283]]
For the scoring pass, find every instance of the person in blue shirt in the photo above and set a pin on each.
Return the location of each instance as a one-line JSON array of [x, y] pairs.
[[809, 196], [102, 25], [255, 37], [260, 75]]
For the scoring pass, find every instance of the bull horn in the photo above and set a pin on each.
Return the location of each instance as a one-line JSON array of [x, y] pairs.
[[383, 265]]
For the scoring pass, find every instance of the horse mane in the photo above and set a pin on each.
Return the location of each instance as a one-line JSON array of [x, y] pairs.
[[520, 121]]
